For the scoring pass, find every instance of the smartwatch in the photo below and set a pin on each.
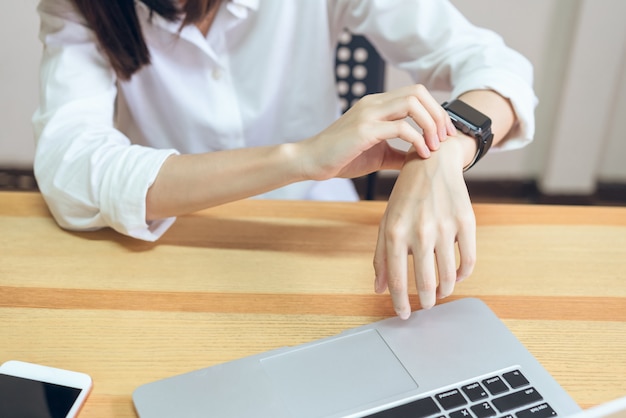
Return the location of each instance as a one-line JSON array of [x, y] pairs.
[[473, 123]]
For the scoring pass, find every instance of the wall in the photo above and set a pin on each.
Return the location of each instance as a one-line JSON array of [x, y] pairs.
[[577, 48], [20, 51], [587, 142]]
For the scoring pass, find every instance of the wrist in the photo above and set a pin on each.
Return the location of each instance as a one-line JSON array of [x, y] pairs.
[[295, 160], [455, 152], [466, 146], [471, 122]]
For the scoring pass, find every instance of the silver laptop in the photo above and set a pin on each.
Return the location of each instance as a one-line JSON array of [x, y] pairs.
[[454, 360]]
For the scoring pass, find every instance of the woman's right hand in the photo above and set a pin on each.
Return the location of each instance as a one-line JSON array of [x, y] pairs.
[[356, 144]]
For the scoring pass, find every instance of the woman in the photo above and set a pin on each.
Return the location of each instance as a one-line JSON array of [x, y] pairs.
[[155, 108]]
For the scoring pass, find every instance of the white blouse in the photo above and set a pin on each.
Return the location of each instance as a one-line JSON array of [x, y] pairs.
[[264, 75]]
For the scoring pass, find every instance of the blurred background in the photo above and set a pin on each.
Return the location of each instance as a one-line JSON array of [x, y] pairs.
[[578, 49]]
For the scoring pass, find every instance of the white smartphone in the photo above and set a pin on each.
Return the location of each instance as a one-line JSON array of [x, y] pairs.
[[33, 390]]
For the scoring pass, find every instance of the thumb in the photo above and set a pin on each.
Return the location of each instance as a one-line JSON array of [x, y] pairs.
[[393, 159]]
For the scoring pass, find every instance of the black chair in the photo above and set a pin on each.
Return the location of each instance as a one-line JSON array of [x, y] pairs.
[[359, 70]]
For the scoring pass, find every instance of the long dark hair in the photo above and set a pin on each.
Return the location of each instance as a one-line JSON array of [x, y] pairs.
[[117, 28]]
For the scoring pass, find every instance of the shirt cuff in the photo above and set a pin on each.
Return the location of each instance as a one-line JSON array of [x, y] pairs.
[[123, 197], [521, 96]]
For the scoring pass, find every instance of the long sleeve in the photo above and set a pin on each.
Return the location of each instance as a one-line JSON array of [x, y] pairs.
[[88, 172], [441, 49]]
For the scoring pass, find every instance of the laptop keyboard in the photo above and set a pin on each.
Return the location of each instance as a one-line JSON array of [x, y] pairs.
[[506, 395]]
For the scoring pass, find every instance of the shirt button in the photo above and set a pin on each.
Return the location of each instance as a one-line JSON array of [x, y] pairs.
[[217, 74]]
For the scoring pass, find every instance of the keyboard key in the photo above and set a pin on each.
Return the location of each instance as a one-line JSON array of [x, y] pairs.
[[463, 413], [483, 410], [517, 399], [495, 385], [451, 399], [474, 392], [516, 379], [540, 411], [417, 409]]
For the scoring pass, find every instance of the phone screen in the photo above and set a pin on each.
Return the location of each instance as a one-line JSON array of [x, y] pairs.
[[21, 398]]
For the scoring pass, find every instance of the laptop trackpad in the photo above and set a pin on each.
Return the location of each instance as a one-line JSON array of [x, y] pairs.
[[338, 375]]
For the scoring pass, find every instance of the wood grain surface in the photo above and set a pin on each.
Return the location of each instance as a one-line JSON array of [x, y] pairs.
[[256, 275]]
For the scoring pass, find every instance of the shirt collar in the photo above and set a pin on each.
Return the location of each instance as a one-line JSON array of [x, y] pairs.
[[240, 8], [147, 16]]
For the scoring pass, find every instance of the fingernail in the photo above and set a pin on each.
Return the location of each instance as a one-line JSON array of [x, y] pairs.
[[452, 128], [428, 305], [403, 314]]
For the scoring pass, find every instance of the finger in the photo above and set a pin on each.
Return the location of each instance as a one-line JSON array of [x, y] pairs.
[[427, 113], [407, 133], [401, 129], [446, 267], [438, 114], [393, 159], [396, 272], [426, 279], [380, 265], [466, 239], [412, 106], [451, 129]]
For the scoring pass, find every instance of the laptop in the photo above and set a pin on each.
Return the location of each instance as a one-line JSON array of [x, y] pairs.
[[455, 360]]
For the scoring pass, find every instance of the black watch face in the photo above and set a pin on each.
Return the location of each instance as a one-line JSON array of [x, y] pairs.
[[469, 114]]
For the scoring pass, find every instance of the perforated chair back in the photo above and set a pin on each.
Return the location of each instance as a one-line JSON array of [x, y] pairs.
[[359, 70]]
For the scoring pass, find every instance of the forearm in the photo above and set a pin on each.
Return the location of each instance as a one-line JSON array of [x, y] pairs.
[[355, 145], [497, 108], [187, 183]]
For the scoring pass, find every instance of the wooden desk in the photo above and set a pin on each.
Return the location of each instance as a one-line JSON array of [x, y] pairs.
[[256, 275]]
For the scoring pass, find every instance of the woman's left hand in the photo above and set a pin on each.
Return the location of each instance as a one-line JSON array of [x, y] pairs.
[[429, 213]]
